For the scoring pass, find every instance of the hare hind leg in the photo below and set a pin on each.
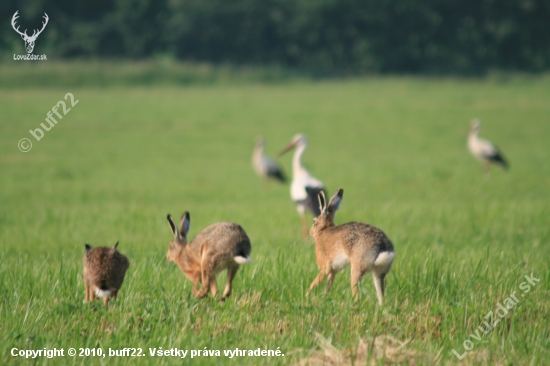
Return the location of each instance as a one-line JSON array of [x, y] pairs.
[[207, 279], [201, 287], [379, 284], [197, 286], [356, 274], [207, 274], [330, 279], [231, 272]]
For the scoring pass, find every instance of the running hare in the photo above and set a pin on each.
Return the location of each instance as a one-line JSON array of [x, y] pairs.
[[367, 248], [104, 270], [220, 246]]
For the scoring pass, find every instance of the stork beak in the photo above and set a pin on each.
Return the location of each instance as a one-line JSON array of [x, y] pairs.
[[286, 149]]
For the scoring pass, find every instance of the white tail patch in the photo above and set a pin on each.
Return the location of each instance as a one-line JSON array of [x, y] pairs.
[[242, 260], [384, 259], [102, 293]]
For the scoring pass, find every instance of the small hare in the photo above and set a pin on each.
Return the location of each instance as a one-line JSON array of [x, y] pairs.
[[104, 270], [220, 246], [367, 248]]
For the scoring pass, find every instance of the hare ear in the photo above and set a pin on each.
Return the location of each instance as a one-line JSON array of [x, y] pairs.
[[173, 227], [88, 247], [336, 200], [322, 201], [185, 223], [116, 245]]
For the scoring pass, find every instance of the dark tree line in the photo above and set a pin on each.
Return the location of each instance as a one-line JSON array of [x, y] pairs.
[[324, 36]]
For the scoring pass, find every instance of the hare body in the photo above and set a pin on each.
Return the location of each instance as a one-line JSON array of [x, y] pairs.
[[218, 247], [104, 271], [363, 246]]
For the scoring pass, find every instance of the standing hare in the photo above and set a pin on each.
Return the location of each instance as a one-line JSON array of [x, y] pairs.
[[104, 270], [220, 246], [367, 248]]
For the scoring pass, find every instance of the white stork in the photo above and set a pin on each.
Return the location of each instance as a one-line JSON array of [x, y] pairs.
[[264, 166], [304, 187], [484, 150]]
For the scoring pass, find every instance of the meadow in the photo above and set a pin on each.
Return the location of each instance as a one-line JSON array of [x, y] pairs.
[[125, 156]]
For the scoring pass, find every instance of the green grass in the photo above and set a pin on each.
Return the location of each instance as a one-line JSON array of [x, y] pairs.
[[124, 157]]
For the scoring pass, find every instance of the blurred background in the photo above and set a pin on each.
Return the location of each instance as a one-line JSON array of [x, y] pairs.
[[319, 38]]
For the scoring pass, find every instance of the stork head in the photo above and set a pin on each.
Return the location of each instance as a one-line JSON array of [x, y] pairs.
[[475, 126], [297, 140], [259, 143], [180, 236]]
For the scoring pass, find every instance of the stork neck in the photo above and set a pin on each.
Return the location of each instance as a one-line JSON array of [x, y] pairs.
[[258, 151], [297, 166]]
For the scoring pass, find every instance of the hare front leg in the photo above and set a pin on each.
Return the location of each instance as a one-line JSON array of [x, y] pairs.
[[90, 293], [379, 284], [87, 291], [231, 272], [213, 286], [320, 277]]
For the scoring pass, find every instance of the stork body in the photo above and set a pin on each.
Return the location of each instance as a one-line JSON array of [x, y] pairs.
[[264, 166], [304, 188], [484, 150]]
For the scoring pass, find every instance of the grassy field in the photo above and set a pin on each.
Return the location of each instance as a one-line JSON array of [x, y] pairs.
[[124, 157]]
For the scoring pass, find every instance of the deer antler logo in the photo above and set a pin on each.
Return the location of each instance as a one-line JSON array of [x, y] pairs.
[[29, 41]]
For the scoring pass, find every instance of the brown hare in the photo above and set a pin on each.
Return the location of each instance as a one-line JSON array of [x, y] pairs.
[[220, 246], [104, 270], [367, 248]]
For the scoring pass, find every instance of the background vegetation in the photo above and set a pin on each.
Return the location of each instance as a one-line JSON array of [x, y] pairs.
[[317, 37]]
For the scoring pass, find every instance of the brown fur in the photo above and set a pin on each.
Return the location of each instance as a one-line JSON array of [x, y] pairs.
[[104, 268], [358, 243], [213, 250]]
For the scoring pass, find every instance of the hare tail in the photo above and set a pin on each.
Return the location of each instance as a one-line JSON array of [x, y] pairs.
[[242, 259], [384, 259], [102, 291]]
